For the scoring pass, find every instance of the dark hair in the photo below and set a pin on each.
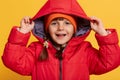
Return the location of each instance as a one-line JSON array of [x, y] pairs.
[[44, 53]]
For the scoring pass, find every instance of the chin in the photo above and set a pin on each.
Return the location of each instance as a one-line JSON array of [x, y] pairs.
[[61, 43]]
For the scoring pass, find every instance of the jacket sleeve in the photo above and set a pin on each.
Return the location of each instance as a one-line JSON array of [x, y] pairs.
[[17, 56], [107, 57]]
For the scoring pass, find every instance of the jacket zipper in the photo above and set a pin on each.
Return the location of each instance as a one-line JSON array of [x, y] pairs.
[[60, 68]]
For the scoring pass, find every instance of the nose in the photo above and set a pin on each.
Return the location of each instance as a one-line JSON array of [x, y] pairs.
[[60, 26]]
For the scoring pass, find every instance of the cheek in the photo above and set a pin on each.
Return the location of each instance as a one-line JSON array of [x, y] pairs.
[[51, 28], [71, 30], [51, 31]]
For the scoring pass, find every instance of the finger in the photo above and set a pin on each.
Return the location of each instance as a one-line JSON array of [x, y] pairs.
[[30, 21], [26, 20], [94, 22], [32, 24], [95, 19]]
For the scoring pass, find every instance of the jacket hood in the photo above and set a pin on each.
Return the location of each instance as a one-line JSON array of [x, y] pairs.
[[70, 7], [63, 6]]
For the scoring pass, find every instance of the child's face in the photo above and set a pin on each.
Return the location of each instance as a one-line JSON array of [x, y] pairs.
[[61, 30]]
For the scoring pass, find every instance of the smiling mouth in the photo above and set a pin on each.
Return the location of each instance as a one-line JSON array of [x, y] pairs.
[[60, 35]]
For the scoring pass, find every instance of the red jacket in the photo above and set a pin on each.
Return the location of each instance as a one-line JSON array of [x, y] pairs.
[[80, 59]]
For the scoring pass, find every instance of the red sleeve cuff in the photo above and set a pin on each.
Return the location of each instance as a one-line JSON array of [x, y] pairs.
[[109, 39], [17, 37]]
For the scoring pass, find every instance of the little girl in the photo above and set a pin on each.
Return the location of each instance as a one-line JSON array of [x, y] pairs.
[[61, 52]]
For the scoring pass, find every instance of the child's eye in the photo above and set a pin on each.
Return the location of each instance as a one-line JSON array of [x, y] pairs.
[[54, 23], [67, 23]]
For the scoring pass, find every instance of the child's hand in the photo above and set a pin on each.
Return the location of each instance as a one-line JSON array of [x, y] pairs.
[[97, 26], [26, 25]]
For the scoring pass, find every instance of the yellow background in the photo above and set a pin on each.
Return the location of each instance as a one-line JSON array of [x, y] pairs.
[[11, 12]]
